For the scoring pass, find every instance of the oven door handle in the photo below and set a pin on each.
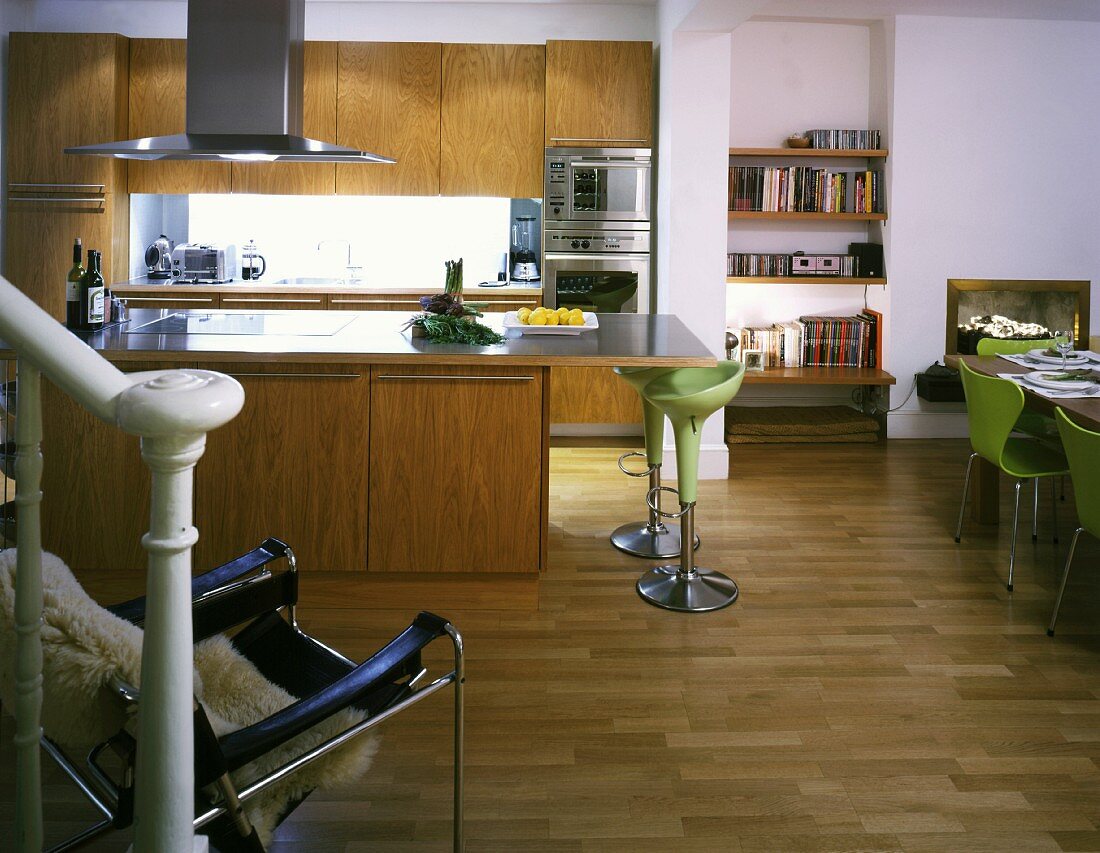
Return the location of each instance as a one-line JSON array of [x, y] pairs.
[[611, 164], [599, 256]]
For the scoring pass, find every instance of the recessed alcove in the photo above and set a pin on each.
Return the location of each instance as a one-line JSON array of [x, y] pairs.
[[1050, 304]]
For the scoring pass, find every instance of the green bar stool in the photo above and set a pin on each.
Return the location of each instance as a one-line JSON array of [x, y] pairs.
[[652, 538], [688, 396]]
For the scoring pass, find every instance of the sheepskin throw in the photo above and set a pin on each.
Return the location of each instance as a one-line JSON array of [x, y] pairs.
[[83, 645]]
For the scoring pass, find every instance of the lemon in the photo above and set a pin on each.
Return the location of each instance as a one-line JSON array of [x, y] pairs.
[[552, 319], [563, 313], [577, 312], [522, 314], [537, 319], [576, 320]]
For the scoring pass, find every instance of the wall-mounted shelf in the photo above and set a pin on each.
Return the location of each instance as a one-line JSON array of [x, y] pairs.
[[802, 279], [800, 216], [819, 376], [810, 152]]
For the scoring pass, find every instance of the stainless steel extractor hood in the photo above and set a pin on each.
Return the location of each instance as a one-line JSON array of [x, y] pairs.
[[244, 91]]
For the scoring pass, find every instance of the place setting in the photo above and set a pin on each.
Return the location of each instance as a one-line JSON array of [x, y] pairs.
[[1058, 384], [1061, 353]]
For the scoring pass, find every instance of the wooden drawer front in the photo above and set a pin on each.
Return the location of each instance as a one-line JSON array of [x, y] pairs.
[[592, 395], [375, 303], [512, 303], [275, 302], [456, 457], [269, 472], [198, 302]]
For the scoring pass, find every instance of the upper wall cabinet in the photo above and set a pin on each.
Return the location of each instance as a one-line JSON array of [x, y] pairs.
[[158, 107], [65, 89], [598, 94], [492, 120], [388, 103], [318, 122]]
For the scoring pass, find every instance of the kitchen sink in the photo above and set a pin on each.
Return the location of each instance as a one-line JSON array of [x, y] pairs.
[[314, 281]]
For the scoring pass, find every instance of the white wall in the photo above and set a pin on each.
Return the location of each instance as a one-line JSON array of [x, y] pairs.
[[993, 174], [363, 21]]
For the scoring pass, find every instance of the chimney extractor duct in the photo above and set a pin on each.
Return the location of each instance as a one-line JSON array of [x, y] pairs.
[[244, 91]]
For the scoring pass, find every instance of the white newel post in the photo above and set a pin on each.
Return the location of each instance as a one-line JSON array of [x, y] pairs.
[[28, 611], [172, 411]]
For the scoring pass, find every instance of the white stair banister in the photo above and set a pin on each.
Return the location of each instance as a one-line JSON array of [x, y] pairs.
[[171, 411]]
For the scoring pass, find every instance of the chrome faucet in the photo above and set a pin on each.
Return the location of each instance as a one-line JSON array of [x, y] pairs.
[[353, 272]]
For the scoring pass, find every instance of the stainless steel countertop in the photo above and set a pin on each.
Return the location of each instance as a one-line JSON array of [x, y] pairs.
[[641, 340]]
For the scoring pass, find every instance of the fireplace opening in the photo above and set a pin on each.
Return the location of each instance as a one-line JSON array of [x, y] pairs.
[[1014, 309]]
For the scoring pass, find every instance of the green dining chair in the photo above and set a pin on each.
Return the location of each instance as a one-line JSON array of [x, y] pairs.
[[993, 406], [1083, 451]]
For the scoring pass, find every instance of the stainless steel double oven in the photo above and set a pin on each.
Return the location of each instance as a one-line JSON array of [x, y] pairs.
[[596, 229]]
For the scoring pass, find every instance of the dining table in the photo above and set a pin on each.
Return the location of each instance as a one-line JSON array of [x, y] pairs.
[[985, 482]]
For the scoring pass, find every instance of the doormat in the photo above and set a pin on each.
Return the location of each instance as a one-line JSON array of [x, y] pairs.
[[798, 424]]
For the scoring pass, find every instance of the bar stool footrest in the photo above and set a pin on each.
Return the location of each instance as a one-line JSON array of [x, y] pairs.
[[705, 590], [640, 540], [635, 454]]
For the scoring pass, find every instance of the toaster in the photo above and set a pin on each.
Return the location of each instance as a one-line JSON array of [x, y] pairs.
[[200, 263]]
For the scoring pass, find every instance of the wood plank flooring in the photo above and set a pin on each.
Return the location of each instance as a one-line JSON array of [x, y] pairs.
[[875, 688]]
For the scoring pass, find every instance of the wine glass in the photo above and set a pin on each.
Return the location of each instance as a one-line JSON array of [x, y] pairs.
[[1063, 342]]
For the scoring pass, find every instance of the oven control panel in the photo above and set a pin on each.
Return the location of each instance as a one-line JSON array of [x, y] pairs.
[[595, 241]]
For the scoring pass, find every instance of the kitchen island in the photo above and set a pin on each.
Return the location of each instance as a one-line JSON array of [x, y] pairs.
[[362, 447]]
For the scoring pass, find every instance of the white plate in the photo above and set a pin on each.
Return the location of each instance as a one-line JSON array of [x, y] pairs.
[[512, 322], [1075, 359], [1036, 377]]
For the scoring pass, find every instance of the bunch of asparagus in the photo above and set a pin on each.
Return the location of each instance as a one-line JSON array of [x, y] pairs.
[[454, 276]]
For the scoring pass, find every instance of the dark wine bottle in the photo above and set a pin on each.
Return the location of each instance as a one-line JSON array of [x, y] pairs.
[[72, 289], [91, 294]]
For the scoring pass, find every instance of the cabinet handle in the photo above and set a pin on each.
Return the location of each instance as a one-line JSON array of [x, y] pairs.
[[300, 375], [288, 301], [165, 298], [71, 186], [433, 378], [375, 302], [595, 139], [57, 199]]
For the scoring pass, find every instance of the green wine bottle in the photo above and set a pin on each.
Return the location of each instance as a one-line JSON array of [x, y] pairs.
[[91, 294], [72, 289]]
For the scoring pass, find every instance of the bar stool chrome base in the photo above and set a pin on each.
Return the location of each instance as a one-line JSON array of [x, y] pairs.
[[640, 540], [697, 592]]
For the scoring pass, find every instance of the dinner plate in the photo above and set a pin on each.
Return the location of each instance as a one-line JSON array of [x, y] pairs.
[[511, 321], [1075, 359], [1039, 378]]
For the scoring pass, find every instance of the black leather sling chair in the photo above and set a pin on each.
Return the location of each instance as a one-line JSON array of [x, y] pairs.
[[247, 592]]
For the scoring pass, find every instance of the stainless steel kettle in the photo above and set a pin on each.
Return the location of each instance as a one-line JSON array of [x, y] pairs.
[[158, 257]]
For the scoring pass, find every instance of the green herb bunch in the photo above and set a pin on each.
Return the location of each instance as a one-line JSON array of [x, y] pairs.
[[447, 329]]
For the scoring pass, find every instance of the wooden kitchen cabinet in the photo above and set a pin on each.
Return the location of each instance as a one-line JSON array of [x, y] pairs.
[[592, 395], [39, 237], [65, 89], [506, 302], [388, 103], [457, 458], [296, 454], [376, 302], [491, 125], [318, 122], [158, 107], [174, 300], [599, 94]]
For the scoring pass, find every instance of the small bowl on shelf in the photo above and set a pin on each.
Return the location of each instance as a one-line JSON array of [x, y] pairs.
[[798, 142]]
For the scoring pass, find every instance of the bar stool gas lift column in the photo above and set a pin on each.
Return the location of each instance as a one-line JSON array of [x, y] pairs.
[[688, 396], [652, 538]]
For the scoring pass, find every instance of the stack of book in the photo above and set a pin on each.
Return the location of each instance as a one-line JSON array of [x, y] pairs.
[[817, 341], [858, 139], [804, 189]]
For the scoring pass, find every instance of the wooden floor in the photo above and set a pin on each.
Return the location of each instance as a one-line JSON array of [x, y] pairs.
[[875, 688]]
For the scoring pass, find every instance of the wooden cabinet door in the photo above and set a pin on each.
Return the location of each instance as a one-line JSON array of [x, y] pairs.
[[158, 107], [388, 103], [175, 300], [377, 302], [598, 94], [65, 89], [458, 460], [592, 395], [506, 303], [492, 120], [318, 122], [275, 301], [39, 237], [292, 464]]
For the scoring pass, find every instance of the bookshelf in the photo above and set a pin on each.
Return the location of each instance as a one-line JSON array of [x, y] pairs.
[[873, 380]]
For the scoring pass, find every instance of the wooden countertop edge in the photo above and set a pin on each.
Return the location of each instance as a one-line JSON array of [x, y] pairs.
[[171, 291], [473, 359]]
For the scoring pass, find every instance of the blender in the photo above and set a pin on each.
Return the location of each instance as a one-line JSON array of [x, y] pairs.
[[525, 263]]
